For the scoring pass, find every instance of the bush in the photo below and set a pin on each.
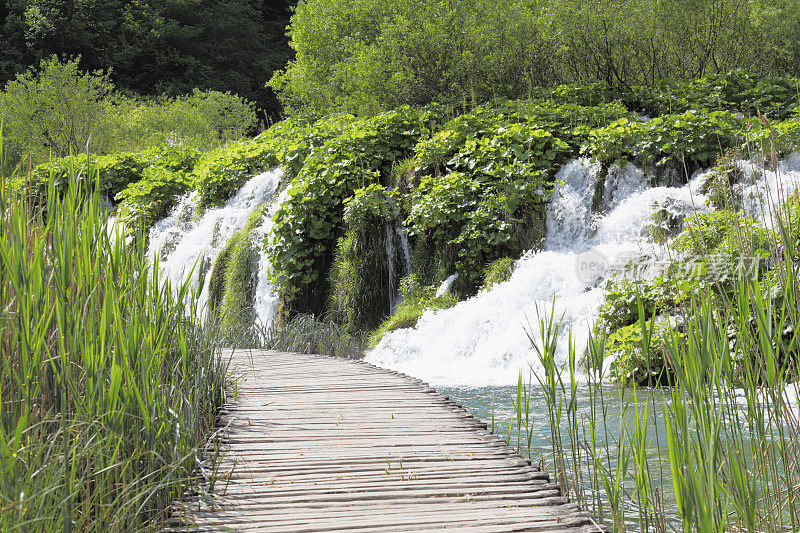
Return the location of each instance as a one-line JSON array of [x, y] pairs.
[[692, 138], [56, 110], [736, 91], [632, 363], [723, 233], [308, 225], [476, 221], [221, 172], [620, 307], [150, 199]]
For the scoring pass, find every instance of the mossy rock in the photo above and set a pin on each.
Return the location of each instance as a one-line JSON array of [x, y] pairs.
[[233, 278], [666, 221], [364, 279], [416, 299]]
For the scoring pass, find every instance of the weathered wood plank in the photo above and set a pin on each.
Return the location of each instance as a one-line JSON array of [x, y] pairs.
[[314, 443]]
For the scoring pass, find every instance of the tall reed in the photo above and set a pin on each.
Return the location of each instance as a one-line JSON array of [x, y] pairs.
[[108, 386]]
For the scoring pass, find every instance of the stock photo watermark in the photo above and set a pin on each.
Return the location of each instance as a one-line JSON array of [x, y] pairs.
[[593, 266]]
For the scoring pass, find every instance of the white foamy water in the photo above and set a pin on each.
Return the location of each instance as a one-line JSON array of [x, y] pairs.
[[483, 340], [266, 301], [180, 241]]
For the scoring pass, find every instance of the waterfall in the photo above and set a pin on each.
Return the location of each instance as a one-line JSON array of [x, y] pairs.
[[401, 234], [182, 239], [390, 257], [483, 340], [266, 303]]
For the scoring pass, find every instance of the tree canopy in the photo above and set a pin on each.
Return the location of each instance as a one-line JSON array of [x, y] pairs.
[[365, 56]]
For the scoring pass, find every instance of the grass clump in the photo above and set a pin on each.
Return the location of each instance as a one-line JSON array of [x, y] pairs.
[[416, 299], [232, 284], [311, 335], [498, 271], [108, 386]]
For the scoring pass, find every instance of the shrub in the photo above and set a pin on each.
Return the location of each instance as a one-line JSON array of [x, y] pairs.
[[56, 110], [295, 138], [620, 307], [150, 199], [475, 221], [736, 91], [308, 225], [723, 232], [693, 138], [221, 172], [633, 364]]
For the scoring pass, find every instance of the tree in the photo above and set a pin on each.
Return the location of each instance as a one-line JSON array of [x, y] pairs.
[[57, 108]]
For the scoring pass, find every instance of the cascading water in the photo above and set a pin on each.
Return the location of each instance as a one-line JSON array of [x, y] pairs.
[[180, 241], [483, 340]]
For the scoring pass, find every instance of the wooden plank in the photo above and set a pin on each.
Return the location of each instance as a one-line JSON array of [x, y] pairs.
[[315, 443]]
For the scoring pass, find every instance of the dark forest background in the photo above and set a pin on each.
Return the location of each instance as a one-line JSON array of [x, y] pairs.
[[154, 47]]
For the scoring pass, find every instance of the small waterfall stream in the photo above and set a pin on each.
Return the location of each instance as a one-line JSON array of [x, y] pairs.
[[181, 241], [483, 340]]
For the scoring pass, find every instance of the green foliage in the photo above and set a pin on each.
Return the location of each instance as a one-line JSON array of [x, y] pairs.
[[155, 47], [485, 141], [150, 199], [110, 388], [221, 172], [480, 220], [365, 56], [692, 137], [620, 307], [736, 91], [416, 299], [57, 109], [295, 138], [308, 224], [361, 282], [724, 233], [498, 271], [60, 111], [202, 120], [111, 173], [637, 362]]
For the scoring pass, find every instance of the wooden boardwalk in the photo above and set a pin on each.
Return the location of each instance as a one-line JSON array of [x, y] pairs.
[[317, 443]]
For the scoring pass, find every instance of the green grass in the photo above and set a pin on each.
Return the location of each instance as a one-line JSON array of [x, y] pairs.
[[108, 386], [416, 300]]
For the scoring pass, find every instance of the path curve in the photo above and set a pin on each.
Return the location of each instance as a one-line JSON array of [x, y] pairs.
[[316, 443]]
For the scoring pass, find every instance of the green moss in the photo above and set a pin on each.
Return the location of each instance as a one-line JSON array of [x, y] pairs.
[[233, 280], [498, 271], [361, 289], [416, 300]]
